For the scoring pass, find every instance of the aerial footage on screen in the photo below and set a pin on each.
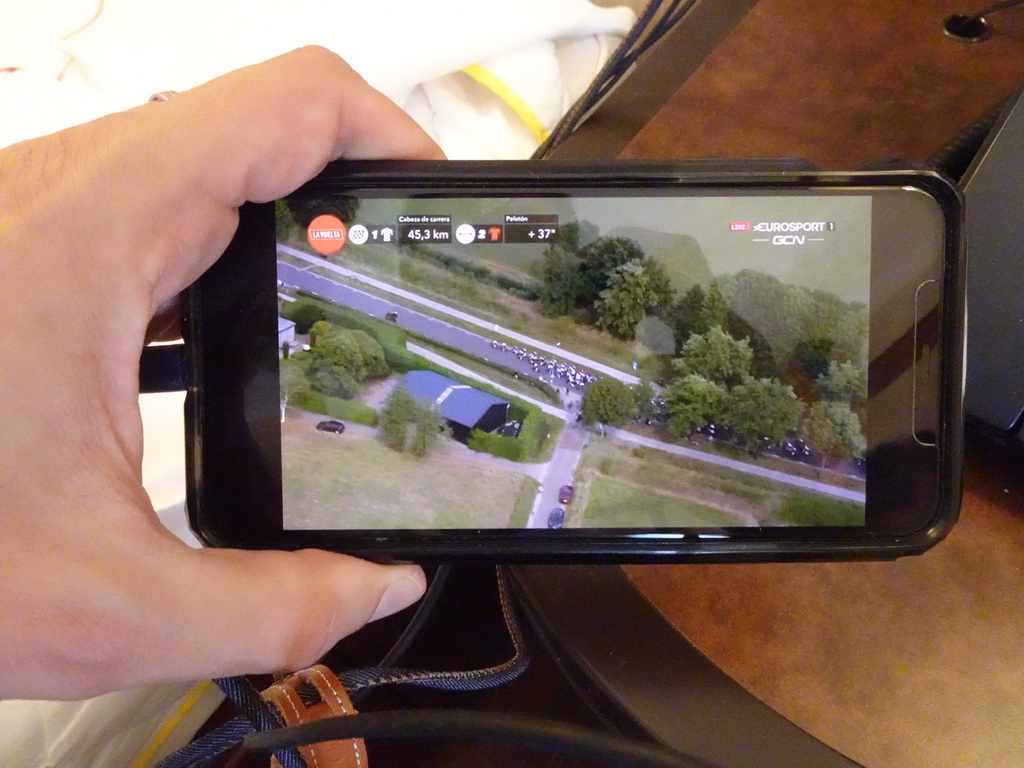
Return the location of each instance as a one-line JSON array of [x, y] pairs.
[[616, 363]]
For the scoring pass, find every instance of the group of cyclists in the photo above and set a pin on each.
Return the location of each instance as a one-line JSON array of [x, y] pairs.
[[573, 377]]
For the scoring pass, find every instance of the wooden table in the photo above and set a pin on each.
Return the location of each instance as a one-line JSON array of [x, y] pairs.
[[917, 662]]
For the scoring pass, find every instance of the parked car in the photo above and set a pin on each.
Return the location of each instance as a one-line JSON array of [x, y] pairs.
[[556, 517], [391, 317], [331, 425], [565, 494], [796, 448], [717, 432]]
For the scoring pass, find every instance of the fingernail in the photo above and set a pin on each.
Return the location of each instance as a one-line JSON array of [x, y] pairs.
[[400, 594]]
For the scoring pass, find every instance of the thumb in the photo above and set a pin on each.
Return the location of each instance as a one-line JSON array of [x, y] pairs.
[[253, 612]]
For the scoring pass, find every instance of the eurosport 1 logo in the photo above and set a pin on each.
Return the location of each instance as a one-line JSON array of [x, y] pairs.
[[794, 226], [785, 232]]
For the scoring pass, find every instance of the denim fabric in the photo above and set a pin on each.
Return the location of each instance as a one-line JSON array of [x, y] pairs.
[[208, 746], [256, 715]]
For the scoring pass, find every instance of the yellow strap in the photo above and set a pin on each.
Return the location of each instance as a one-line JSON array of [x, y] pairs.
[[191, 699], [501, 89]]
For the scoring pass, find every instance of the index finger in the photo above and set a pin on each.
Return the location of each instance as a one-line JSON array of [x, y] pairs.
[[295, 113], [260, 132]]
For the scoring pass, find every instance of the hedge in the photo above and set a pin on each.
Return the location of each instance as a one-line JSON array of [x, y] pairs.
[[353, 411], [497, 445], [309, 309], [479, 272], [522, 448]]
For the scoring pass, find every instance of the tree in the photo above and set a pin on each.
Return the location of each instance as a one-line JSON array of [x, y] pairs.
[[406, 425], [692, 402], [283, 220], [763, 364], [846, 382], [330, 379], [561, 281], [293, 381], [575, 235], [318, 330], [429, 425], [851, 335], [303, 313], [624, 303], [643, 398], [599, 260], [354, 351], [762, 408], [715, 355], [715, 310], [396, 418], [304, 209], [833, 430], [760, 300], [660, 284], [811, 358], [372, 360], [607, 401], [687, 315]]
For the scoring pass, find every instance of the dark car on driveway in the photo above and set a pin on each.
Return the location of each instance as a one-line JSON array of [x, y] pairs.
[[556, 517], [565, 494], [331, 425]]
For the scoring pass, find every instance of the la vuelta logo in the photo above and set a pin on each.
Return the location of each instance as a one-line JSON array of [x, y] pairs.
[[327, 234]]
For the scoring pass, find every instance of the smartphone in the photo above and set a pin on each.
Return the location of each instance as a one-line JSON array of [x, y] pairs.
[[549, 362]]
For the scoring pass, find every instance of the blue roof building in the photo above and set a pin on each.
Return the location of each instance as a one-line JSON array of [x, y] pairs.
[[466, 408]]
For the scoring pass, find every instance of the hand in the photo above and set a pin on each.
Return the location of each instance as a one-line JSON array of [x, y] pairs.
[[101, 225]]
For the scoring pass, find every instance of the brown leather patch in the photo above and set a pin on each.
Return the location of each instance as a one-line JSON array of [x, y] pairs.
[[290, 696]]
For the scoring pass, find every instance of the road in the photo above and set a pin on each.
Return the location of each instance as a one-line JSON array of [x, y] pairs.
[[541, 346], [740, 466], [558, 472], [427, 326]]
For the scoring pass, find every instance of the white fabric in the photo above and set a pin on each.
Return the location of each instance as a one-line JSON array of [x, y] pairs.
[[108, 731], [68, 69]]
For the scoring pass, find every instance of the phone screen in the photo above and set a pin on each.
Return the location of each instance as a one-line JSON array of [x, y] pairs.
[[591, 361]]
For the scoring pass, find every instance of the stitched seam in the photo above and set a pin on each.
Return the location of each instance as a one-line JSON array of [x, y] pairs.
[[298, 717], [337, 697]]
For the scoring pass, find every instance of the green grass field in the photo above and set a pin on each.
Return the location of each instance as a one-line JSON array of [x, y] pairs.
[[614, 504], [353, 481], [623, 485]]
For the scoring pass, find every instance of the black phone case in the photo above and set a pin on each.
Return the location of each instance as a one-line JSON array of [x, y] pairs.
[[218, 515]]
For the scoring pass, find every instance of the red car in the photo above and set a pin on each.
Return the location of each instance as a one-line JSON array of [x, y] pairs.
[[565, 494]]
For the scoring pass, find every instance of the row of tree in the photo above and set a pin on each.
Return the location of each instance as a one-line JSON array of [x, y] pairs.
[[759, 412], [794, 332], [714, 383], [610, 277]]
